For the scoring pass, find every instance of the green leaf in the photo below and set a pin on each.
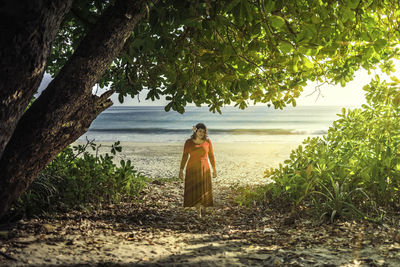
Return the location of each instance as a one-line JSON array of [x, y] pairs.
[[308, 32], [396, 100], [231, 5], [294, 66], [227, 52], [348, 14], [269, 6], [307, 63], [395, 79], [168, 107], [353, 3], [368, 53], [120, 98], [285, 47], [276, 21], [315, 19], [180, 109], [379, 44]]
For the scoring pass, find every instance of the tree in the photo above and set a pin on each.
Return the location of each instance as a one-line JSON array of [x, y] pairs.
[[191, 51]]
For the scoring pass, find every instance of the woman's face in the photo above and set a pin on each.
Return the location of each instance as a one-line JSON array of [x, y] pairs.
[[200, 133]]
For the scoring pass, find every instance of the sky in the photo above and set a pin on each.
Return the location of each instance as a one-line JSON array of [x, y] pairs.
[[351, 95], [330, 95]]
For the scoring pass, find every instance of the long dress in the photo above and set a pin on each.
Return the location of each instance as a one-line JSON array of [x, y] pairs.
[[198, 175]]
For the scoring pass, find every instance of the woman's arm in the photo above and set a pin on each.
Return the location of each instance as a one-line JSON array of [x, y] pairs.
[[185, 157], [212, 159]]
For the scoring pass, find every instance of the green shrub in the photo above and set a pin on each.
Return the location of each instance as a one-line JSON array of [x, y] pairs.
[[76, 178], [354, 170]]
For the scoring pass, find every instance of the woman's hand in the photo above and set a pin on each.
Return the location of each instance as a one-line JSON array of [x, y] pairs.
[[181, 174], [214, 173]]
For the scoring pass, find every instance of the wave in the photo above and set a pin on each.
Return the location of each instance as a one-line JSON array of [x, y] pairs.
[[211, 131]]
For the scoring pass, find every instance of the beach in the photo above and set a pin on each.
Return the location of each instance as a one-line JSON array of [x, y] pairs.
[[238, 163]]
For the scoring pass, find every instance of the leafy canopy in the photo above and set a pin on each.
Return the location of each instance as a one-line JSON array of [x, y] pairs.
[[232, 51]]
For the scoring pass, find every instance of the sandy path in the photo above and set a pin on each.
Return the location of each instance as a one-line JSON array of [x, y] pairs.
[[157, 232]]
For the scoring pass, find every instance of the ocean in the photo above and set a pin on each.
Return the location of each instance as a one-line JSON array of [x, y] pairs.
[[254, 124]]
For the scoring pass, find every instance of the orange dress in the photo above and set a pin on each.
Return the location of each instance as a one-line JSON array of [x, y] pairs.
[[198, 175]]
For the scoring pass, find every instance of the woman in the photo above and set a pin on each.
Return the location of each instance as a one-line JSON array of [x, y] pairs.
[[198, 190]]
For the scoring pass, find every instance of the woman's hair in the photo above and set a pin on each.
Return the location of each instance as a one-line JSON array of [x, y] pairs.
[[200, 126]]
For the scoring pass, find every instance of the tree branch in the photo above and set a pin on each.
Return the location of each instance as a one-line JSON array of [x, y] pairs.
[[24, 52]]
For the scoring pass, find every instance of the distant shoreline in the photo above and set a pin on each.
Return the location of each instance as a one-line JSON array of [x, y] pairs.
[[254, 124]]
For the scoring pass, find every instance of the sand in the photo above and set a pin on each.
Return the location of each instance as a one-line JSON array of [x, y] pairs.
[[237, 163]]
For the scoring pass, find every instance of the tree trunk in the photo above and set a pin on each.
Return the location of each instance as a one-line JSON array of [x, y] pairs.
[[65, 110], [27, 30]]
